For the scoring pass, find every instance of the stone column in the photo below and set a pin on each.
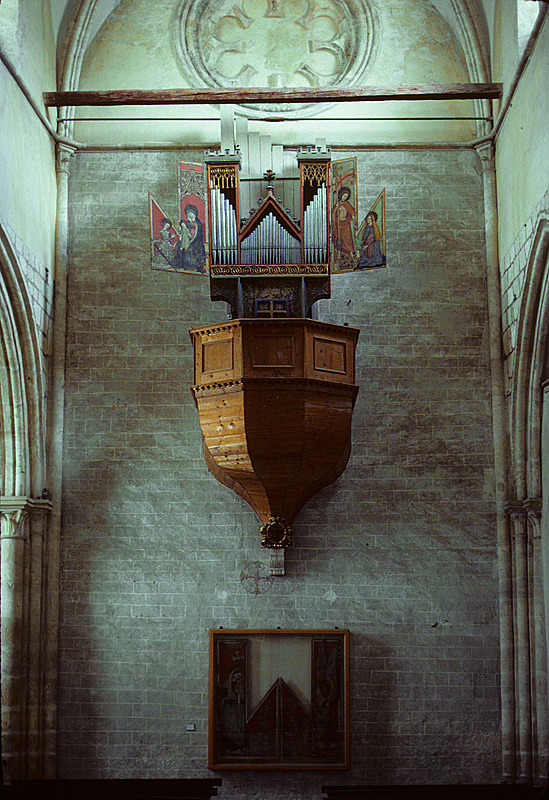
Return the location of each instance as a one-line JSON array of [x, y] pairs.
[[55, 462], [501, 462], [521, 609], [13, 542], [55, 439], [538, 643], [23, 523], [37, 732]]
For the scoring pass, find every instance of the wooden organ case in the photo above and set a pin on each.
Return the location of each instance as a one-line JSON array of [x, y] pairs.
[[271, 254], [275, 389]]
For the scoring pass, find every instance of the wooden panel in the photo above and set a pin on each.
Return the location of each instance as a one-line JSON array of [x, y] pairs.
[[276, 443], [297, 725], [329, 355], [297, 437], [217, 356], [273, 351], [217, 353]]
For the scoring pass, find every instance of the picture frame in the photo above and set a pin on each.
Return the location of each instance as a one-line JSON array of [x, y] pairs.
[[279, 699]]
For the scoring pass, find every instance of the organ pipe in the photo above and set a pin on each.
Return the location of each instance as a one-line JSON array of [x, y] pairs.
[[270, 236]]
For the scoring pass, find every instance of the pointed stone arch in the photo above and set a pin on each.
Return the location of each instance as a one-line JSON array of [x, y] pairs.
[[21, 384], [28, 702], [529, 515], [531, 369]]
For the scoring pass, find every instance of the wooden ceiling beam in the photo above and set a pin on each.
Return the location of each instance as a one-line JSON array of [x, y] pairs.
[[331, 94]]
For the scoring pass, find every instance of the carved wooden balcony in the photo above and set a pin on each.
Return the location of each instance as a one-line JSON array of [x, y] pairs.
[[275, 399]]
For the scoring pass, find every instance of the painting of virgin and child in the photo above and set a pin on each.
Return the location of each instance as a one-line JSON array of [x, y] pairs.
[[181, 246]]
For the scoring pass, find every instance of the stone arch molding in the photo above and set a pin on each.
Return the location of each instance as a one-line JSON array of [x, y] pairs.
[[528, 519], [21, 385], [28, 640], [531, 369]]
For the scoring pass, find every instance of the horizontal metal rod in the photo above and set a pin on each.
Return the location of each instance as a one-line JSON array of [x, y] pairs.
[[333, 94], [267, 119], [97, 147]]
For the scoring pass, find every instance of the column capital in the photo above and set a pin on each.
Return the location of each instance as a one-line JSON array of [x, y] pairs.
[[518, 517], [532, 506], [63, 156], [16, 510], [486, 152], [533, 510], [515, 509]]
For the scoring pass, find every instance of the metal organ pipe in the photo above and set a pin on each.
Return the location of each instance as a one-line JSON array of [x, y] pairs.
[[223, 228], [315, 234], [213, 214], [234, 245], [217, 224], [228, 231], [270, 243], [321, 224], [313, 228]]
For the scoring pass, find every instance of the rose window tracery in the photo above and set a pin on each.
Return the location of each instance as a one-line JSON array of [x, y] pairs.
[[273, 43]]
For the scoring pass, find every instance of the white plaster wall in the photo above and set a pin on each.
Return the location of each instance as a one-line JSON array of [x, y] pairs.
[[27, 165], [26, 35], [522, 159], [523, 147], [504, 48], [414, 44]]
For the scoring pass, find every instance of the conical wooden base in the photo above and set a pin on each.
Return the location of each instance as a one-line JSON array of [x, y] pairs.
[[277, 422]]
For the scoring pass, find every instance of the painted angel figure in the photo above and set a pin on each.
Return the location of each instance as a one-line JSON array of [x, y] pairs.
[[370, 253]]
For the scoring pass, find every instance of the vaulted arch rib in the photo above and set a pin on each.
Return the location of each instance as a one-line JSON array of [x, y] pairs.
[[532, 342], [21, 384]]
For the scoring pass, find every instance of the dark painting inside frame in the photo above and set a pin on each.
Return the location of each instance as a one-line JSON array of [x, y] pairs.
[[279, 699]]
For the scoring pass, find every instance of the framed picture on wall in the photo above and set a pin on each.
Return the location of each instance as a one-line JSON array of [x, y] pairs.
[[279, 699]]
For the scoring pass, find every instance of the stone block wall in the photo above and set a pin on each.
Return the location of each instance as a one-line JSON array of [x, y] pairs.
[[400, 550]]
